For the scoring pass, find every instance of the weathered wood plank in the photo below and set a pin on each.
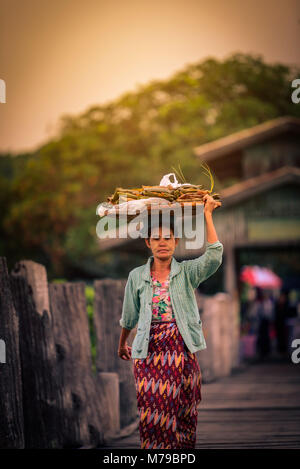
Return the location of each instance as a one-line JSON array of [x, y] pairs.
[[11, 405], [85, 413], [41, 399], [109, 294], [110, 390]]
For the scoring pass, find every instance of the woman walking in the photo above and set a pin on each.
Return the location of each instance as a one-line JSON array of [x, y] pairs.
[[159, 298]]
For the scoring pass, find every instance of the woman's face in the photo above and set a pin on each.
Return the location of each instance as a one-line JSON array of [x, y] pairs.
[[162, 242]]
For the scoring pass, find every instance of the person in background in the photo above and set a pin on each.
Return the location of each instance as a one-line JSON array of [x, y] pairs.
[[245, 303], [281, 314], [264, 310]]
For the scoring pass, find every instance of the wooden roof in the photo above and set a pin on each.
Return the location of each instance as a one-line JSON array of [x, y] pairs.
[[244, 138], [252, 186]]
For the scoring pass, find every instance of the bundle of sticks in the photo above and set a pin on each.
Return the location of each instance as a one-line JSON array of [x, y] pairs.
[[184, 193]]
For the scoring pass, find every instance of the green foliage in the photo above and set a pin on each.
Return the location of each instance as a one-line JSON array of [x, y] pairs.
[[50, 196], [59, 280]]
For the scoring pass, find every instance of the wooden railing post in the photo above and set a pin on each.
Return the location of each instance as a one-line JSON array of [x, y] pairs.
[[85, 411], [41, 398], [109, 294], [11, 401]]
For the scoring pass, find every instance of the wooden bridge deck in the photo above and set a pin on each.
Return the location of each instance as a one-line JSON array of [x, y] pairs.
[[258, 407]]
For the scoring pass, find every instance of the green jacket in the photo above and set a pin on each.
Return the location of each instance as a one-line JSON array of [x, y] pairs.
[[185, 276]]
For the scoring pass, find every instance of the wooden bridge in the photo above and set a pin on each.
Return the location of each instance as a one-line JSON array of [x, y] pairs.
[[257, 407]]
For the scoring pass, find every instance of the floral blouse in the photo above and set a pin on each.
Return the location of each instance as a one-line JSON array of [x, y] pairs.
[[161, 302]]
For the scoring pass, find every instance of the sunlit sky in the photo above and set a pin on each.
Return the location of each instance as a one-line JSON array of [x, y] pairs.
[[62, 56]]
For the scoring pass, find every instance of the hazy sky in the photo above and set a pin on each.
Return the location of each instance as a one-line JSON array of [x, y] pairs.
[[61, 56]]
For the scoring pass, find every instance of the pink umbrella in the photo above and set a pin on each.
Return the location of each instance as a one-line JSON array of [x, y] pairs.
[[260, 277]]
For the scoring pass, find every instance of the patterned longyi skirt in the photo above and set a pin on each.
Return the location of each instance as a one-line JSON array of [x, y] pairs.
[[168, 387]]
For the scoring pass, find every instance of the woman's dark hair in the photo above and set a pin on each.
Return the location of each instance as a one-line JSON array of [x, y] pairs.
[[158, 222]]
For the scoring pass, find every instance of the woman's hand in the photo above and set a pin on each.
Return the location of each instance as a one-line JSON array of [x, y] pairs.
[[210, 203], [124, 351]]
